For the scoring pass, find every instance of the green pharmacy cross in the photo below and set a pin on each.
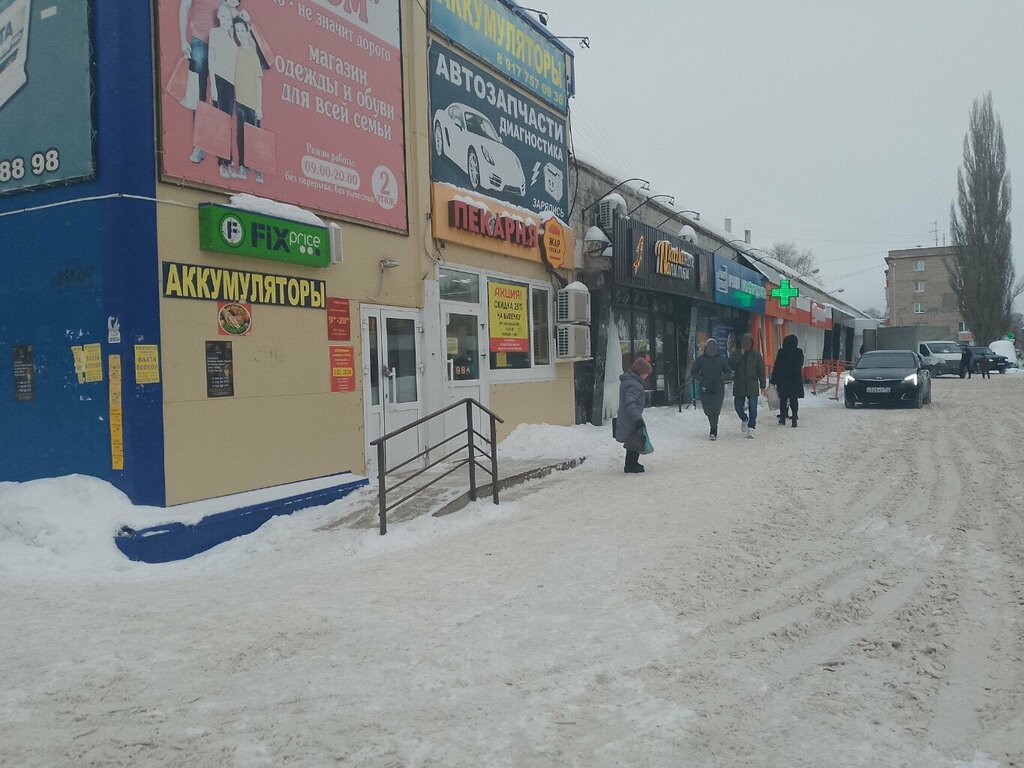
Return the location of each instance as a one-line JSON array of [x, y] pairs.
[[785, 293]]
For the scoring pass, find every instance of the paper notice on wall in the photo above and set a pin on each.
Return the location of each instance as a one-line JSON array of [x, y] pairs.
[[93, 362], [220, 374], [343, 369], [116, 414], [339, 319], [147, 364], [24, 373], [78, 355]]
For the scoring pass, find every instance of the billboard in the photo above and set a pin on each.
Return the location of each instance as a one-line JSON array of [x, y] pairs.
[[488, 138], [45, 94], [299, 102], [738, 286], [493, 33]]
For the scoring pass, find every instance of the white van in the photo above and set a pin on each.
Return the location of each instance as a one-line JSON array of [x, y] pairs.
[[941, 356]]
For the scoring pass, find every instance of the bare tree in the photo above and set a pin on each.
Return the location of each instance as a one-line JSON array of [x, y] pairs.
[[875, 313], [802, 262], [981, 272]]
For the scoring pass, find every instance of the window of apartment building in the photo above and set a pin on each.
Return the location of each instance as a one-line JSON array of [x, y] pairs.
[[919, 309], [961, 327], [919, 286], [919, 265]]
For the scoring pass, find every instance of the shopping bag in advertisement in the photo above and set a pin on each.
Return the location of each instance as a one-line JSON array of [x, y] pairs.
[[260, 152], [772, 394], [177, 86], [648, 447], [212, 131]]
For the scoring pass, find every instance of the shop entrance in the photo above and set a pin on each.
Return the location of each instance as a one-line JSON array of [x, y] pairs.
[[465, 355], [392, 381]]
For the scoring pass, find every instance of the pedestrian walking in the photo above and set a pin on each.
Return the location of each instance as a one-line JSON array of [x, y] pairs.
[[748, 369], [985, 366], [630, 424], [966, 363], [788, 378], [711, 371]]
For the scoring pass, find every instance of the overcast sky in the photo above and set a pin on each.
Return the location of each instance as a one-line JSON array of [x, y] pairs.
[[838, 125]]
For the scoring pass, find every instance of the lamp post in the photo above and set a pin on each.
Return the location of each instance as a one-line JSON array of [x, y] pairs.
[[649, 199], [696, 216], [645, 186]]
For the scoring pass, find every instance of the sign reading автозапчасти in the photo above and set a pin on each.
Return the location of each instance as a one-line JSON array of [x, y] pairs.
[[493, 33], [489, 138], [230, 230], [192, 281]]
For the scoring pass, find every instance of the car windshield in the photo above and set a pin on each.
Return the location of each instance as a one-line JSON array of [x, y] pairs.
[[948, 348], [481, 126], [982, 351], [887, 360]]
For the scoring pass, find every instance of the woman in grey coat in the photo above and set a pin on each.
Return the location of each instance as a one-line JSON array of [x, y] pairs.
[[711, 370], [630, 421]]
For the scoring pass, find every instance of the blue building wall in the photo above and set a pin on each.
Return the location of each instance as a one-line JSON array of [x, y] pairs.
[[64, 270]]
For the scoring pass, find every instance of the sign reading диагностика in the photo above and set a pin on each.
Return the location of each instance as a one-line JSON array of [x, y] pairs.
[[491, 31], [192, 281], [489, 138], [242, 233]]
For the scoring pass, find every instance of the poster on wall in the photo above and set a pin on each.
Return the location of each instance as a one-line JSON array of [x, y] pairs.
[[233, 318], [508, 314], [45, 94], [24, 373], [296, 101], [493, 33], [489, 138], [339, 319], [343, 369], [220, 373]]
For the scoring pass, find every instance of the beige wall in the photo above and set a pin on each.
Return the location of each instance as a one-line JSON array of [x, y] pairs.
[[938, 298], [542, 402]]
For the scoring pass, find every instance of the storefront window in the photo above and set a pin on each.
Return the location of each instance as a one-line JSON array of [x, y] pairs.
[[541, 327], [508, 308], [641, 333], [459, 286]]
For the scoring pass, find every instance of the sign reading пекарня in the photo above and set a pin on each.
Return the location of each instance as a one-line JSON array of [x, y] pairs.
[[192, 281]]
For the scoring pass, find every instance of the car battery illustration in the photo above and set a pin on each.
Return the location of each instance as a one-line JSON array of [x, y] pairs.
[[554, 181], [14, 16]]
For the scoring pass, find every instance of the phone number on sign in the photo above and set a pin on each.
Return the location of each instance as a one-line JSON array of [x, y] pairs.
[[15, 168]]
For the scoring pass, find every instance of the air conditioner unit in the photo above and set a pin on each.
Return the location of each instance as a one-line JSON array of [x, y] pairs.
[[608, 208], [572, 306], [572, 342]]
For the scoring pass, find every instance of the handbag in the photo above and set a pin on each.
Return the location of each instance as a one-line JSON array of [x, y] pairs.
[[260, 152], [212, 130], [772, 394], [648, 447], [177, 86], [636, 442]]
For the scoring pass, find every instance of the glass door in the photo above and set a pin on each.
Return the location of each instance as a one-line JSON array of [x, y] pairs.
[[466, 363], [392, 379]]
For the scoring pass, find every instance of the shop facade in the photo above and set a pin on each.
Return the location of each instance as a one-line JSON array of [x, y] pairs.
[[252, 294]]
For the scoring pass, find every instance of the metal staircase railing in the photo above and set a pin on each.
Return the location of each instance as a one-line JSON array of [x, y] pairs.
[[470, 460]]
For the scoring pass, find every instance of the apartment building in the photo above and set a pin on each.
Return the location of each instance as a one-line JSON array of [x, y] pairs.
[[917, 290]]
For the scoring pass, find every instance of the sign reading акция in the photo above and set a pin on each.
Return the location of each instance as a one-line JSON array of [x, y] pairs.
[[230, 230]]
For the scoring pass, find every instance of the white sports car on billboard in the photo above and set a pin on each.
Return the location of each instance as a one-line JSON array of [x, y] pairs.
[[470, 141]]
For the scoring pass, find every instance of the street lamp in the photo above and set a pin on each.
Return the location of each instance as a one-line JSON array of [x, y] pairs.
[[644, 187], [696, 216], [649, 199], [542, 15]]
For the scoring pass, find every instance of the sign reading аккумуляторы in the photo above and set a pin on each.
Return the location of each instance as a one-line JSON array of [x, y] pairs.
[[491, 31], [242, 233], [45, 93], [192, 281]]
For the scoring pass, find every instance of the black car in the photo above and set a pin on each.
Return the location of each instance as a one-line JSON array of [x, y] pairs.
[[889, 376], [998, 361]]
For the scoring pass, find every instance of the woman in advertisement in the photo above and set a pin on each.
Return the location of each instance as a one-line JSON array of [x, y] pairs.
[[249, 67], [222, 61]]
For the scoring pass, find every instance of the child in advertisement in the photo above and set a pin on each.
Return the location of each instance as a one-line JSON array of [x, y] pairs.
[[222, 62], [249, 68]]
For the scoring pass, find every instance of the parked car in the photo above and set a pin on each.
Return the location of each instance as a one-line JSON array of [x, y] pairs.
[[889, 376], [1005, 348], [469, 139], [998, 361], [941, 357]]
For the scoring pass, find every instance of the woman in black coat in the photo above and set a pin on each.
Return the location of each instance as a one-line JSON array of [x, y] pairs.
[[788, 378]]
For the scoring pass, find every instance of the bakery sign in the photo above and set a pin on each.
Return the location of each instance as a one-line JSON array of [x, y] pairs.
[[490, 225]]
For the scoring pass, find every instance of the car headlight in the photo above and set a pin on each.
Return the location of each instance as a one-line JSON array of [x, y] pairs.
[[911, 379], [487, 155], [850, 376]]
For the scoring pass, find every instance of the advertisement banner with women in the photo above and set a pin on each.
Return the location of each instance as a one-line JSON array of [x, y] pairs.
[[298, 102], [45, 94]]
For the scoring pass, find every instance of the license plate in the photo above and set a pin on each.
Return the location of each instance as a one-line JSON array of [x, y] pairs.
[[879, 390]]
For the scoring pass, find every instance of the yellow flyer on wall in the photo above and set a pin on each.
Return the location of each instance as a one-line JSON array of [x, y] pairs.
[[508, 307]]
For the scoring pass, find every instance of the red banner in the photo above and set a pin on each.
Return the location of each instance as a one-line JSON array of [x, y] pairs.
[[339, 319], [343, 369]]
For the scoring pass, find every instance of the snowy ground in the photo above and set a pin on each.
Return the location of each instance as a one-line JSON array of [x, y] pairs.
[[849, 593]]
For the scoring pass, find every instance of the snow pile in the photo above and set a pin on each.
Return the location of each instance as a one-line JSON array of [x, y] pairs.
[[266, 207], [64, 525], [531, 441]]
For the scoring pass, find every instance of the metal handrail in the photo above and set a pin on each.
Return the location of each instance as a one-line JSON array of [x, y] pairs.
[[471, 462]]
